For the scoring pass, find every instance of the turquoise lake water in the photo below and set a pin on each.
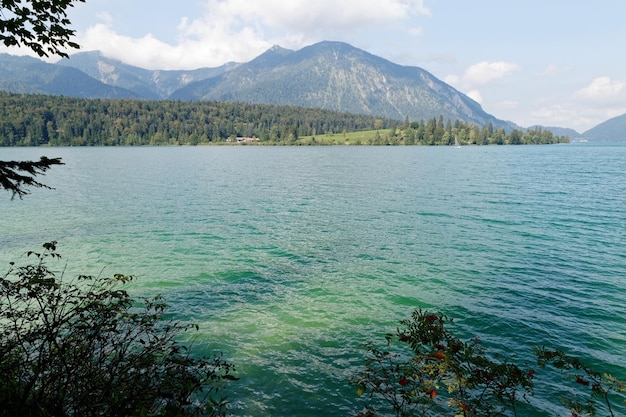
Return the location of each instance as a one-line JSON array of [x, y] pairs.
[[288, 258]]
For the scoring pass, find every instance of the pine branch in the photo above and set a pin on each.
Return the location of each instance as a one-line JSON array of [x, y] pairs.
[[16, 176]]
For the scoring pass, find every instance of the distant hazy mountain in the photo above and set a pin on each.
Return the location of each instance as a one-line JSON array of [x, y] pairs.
[[148, 84], [613, 130], [32, 76], [337, 76]]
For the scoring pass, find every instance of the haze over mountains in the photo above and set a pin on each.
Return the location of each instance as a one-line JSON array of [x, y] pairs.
[[328, 75]]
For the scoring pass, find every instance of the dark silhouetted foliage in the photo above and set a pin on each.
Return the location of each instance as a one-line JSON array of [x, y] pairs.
[[86, 348], [15, 176], [41, 25]]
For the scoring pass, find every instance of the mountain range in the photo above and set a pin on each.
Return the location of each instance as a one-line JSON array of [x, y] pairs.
[[327, 75]]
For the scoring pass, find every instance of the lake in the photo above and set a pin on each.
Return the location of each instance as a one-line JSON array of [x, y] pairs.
[[288, 258]]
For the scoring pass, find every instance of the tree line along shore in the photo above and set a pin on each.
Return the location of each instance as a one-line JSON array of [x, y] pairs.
[[42, 120]]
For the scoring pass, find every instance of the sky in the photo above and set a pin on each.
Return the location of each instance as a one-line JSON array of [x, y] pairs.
[[533, 62]]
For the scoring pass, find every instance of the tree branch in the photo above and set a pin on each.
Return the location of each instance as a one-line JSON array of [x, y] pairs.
[[15, 176]]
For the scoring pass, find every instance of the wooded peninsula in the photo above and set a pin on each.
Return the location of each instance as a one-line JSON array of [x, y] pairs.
[[43, 120]]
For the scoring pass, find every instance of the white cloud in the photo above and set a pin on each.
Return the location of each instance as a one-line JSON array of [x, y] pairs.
[[453, 80], [602, 99], [480, 75], [475, 95], [581, 110], [149, 52], [485, 72], [602, 89], [296, 23], [239, 30], [307, 16], [575, 115]]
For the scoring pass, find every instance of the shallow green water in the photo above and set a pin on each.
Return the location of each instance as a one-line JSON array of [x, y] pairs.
[[288, 258]]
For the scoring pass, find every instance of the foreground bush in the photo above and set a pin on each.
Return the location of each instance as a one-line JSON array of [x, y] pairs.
[[439, 375], [603, 388], [426, 371], [86, 348]]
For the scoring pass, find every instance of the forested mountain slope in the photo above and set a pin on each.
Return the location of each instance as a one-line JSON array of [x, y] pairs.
[[327, 75], [337, 76]]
